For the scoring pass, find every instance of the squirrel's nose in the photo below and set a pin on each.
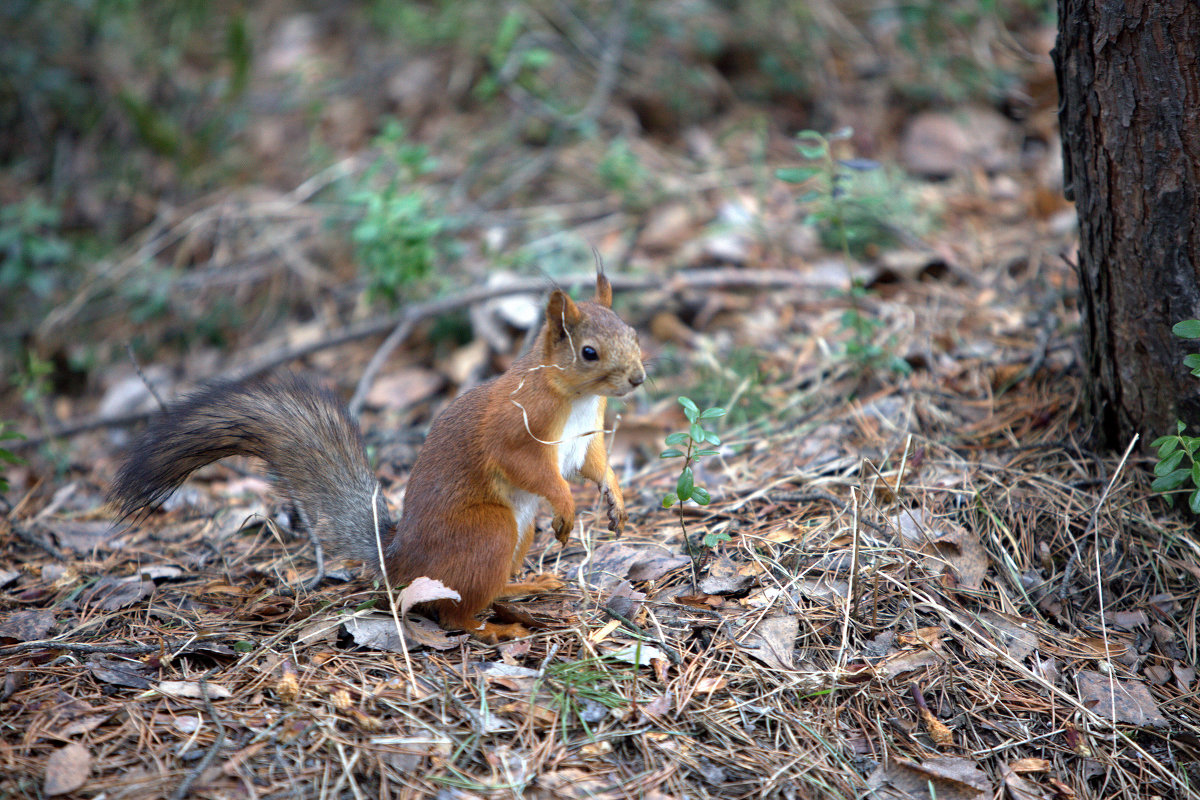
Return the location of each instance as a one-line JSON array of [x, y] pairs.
[[638, 379]]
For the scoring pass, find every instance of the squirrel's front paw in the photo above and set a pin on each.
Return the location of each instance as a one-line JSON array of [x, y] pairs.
[[562, 528], [616, 512]]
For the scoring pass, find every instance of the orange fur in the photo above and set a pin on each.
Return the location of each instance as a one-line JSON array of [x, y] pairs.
[[490, 459], [501, 440]]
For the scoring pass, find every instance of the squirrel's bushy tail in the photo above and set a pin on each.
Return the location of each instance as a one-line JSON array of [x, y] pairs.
[[312, 448]]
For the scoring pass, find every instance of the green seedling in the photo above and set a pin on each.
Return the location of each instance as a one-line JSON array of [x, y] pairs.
[[1177, 469], [697, 442], [851, 217]]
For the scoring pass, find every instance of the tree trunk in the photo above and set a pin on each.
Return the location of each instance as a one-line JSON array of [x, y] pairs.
[[1129, 89]]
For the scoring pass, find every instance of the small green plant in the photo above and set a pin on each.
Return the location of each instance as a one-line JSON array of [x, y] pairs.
[[7, 455], [1177, 464], [864, 347], [510, 65], [697, 440], [852, 221], [400, 234], [31, 250], [34, 381]]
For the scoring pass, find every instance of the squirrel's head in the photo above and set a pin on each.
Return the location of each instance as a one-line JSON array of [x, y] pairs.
[[597, 352]]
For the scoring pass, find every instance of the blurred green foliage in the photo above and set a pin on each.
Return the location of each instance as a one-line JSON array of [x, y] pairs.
[[31, 249], [400, 234]]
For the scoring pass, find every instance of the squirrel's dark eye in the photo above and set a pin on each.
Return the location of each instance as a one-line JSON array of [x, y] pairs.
[[589, 353]]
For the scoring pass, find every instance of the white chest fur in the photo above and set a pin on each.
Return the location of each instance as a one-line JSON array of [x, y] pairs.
[[582, 424]]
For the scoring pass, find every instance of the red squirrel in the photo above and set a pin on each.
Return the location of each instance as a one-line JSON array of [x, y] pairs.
[[490, 457]]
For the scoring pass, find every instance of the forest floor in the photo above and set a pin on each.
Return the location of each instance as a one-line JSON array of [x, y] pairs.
[[923, 584]]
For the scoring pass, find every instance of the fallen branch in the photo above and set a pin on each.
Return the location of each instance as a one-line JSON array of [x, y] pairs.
[[686, 280]]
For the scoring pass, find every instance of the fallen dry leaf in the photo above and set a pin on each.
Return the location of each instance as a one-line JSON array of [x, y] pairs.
[[1184, 675], [772, 641], [726, 577], [639, 654], [1012, 633], [1021, 788], [377, 633], [424, 590], [658, 707], [930, 637], [710, 684], [191, 689], [113, 594], [67, 769], [81, 536], [27, 626], [625, 600], [941, 778], [118, 673], [906, 661], [610, 564], [945, 543], [1129, 700]]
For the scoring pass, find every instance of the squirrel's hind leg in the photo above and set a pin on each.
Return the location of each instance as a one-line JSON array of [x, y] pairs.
[[478, 568]]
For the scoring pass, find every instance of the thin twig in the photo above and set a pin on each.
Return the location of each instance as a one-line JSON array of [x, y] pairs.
[[186, 786], [698, 280], [137, 367], [75, 647]]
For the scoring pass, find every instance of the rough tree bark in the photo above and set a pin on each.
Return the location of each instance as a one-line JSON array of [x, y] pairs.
[[1129, 89]]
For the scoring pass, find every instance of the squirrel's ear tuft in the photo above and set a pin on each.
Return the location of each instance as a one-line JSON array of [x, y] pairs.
[[561, 312], [603, 289]]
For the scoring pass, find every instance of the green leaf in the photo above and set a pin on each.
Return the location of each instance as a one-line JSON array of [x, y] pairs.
[[1194, 501], [687, 403], [1180, 427], [796, 174], [697, 432], [677, 438], [1166, 483], [812, 152], [1162, 441], [712, 413], [811, 145], [1169, 464], [1196, 474], [1187, 329], [683, 486], [701, 495], [670, 453], [700, 453], [1192, 360], [712, 438], [668, 500], [713, 539]]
